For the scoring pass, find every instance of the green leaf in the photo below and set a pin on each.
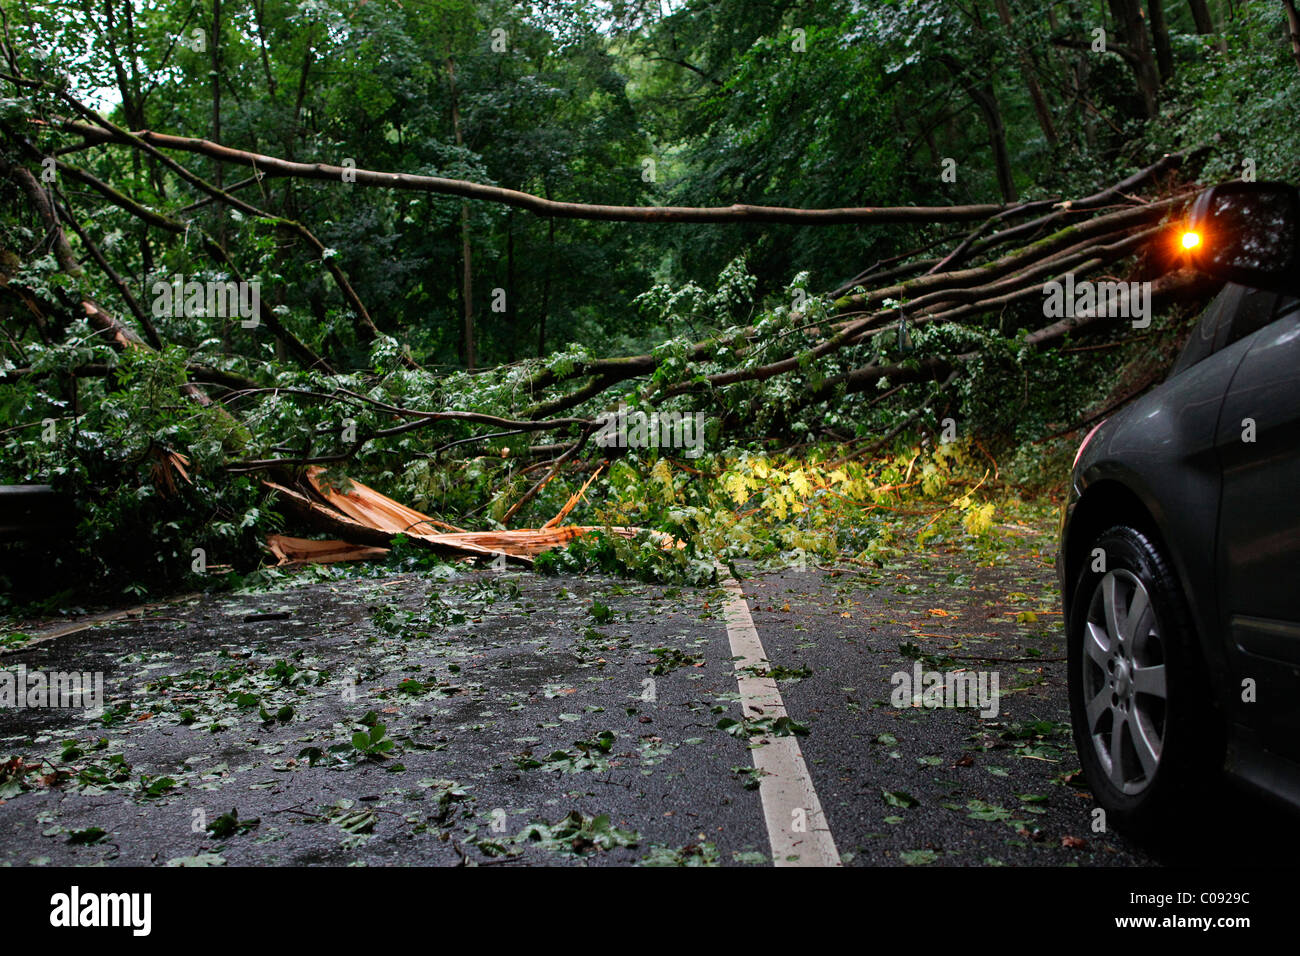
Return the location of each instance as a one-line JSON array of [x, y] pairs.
[[918, 857], [899, 798]]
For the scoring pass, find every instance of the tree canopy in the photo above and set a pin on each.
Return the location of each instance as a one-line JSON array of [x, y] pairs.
[[837, 222]]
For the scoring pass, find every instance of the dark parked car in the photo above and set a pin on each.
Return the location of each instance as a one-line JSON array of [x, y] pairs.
[[1179, 559]]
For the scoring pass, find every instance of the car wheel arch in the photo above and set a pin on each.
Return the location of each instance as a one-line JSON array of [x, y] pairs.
[[1103, 504], [1108, 502]]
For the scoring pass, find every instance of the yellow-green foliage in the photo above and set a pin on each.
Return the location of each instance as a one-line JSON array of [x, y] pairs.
[[754, 504]]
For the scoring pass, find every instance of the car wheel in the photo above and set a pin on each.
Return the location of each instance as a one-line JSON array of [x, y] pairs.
[[1140, 704]]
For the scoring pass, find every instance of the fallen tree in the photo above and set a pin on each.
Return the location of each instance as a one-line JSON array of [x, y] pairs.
[[845, 344]]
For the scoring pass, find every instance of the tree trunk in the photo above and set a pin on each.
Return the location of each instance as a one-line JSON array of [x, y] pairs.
[[259, 10], [984, 98], [1205, 22], [1160, 35], [1041, 109], [1293, 28], [214, 46], [511, 316], [467, 278], [277, 166], [1201, 16], [988, 104], [122, 50], [467, 287], [40, 202], [546, 283], [1131, 27]]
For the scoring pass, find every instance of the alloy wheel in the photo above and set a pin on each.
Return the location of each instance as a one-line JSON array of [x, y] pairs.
[[1124, 686]]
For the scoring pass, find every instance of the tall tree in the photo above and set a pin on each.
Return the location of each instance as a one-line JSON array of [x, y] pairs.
[[1204, 21], [1160, 36], [1137, 49], [1293, 27], [1028, 71], [467, 265]]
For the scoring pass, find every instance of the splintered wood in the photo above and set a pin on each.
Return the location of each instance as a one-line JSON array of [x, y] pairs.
[[366, 521], [292, 551]]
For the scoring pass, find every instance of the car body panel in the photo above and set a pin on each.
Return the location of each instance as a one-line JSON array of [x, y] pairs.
[[1166, 440], [1169, 450], [1259, 531]]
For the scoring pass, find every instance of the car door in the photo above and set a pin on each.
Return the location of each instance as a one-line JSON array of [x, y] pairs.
[[1258, 560]]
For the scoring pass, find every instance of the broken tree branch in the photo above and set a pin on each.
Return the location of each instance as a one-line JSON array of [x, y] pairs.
[[546, 208]]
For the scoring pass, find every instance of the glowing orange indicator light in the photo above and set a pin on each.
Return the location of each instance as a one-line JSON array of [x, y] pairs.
[[1191, 240]]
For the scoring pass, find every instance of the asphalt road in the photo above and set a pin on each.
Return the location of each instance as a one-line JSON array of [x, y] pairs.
[[537, 720]]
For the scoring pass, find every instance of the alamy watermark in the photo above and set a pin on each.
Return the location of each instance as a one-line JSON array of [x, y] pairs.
[[1116, 300], [22, 689], [74, 909], [178, 298], [932, 689], [636, 429]]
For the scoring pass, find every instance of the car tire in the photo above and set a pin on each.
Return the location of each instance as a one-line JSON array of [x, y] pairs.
[[1145, 726]]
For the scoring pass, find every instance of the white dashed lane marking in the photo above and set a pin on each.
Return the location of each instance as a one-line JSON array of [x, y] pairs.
[[796, 826]]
